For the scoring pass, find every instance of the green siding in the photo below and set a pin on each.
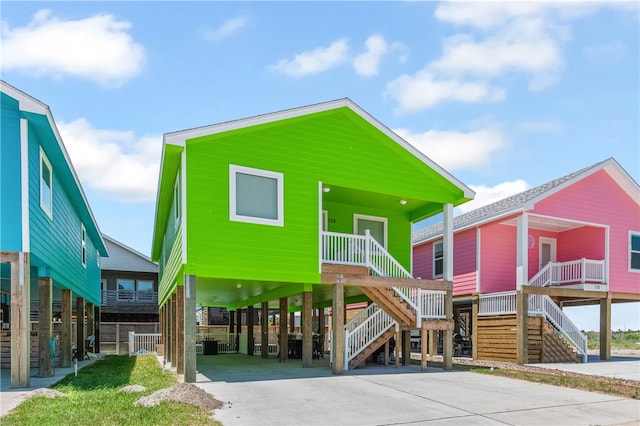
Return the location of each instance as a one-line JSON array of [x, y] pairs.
[[10, 200]]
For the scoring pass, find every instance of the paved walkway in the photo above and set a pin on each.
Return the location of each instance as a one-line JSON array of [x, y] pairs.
[[266, 392], [11, 398], [619, 367]]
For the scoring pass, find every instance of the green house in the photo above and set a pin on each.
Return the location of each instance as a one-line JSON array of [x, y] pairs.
[[256, 212]]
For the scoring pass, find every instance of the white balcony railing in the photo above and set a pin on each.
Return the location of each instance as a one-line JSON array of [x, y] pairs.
[[128, 297], [573, 272]]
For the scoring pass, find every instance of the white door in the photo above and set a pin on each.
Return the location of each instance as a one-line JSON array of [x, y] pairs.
[[377, 226], [547, 251]]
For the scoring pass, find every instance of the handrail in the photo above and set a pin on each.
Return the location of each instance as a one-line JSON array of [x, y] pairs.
[[574, 271], [127, 297], [538, 305], [357, 338]]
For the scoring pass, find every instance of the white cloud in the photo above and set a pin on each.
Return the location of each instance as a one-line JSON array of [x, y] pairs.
[[228, 28], [314, 61], [457, 150], [113, 161], [98, 48], [367, 63], [489, 194], [426, 89], [520, 39]]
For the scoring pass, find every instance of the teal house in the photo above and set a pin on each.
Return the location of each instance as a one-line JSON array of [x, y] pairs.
[[297, 210], [50, 244]]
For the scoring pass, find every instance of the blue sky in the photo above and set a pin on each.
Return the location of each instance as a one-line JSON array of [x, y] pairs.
[[505, 96]]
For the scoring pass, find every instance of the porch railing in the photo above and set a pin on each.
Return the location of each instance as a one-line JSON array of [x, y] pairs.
[[572, 272], [538, 305], [128, 297], [143, 343]]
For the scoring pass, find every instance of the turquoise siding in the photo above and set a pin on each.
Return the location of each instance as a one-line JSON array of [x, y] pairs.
[[56, 244], [10, 202]]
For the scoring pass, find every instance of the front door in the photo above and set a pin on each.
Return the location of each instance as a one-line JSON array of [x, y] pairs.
[[377, 226], [547, 251]]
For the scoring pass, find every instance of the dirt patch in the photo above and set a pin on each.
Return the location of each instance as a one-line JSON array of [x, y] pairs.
[[183, 392], [133, 388], [47, 393]]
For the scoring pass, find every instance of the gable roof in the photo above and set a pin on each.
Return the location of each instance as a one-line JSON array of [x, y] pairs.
[[526, 200], [174, 143], [40, 115], [124, 258]]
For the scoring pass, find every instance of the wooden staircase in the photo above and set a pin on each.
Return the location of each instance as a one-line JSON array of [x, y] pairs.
[[388, 300], [373, 346], [555, 348]]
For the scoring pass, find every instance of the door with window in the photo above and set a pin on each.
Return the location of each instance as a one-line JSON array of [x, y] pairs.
[[377, 226], [548, 247]]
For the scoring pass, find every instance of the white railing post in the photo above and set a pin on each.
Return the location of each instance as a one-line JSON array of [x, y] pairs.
[[420, 312], [367, 247], [583, 272], [131, 342]]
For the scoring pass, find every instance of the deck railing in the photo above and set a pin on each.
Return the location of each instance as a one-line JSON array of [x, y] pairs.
[[538, 305], [143, 343], [573, 272], [128, 297]]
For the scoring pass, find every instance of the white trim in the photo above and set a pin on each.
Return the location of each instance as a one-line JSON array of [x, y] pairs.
[[325, 220], [553, 250], [279, 177], [607, 236], [569, 220], [183, 198], [478, 257], [24, 183], [433, 259], [631, 233], [43, 157], [320, 226], [447, 248], [98, 263], [384, 220], [522, 251], [176, 199], [83, 245]]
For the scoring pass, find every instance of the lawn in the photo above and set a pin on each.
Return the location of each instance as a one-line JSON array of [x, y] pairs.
[[94, 398]]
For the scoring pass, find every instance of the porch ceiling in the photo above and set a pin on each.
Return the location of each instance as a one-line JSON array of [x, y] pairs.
[[233, 294], [547, 224]]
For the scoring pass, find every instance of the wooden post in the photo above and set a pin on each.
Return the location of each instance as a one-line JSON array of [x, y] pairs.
[[283, 338], [522, 324], [238, 329], [264, 330], [174, 331], [80, 336], [117, 338], [433, 343], [605, 329], [20, 321], [180, 325], [386, 353], [307, 329], [232, 322], [67, 329], [45, 316], [250, 322], [292, 322], [321, 325], [337, 322], [397, 348], [90, 323], [406, 347], [189, 329], [474, 326], [447, 335], [96, 321], [423, 349]]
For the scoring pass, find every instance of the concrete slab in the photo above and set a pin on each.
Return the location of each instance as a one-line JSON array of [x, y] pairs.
[[618, 367], [11, 398], [257, 391]]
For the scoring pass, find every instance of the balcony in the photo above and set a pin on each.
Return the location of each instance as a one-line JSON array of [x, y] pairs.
[[129, 298]]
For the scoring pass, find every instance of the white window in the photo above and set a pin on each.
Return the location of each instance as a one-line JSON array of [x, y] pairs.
[[84, 246], [125, 289], [46, 185], [256, 196], [438, 259], [634, 251]]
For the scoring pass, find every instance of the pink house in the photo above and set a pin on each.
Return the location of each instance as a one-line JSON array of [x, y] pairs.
[[572, 241]]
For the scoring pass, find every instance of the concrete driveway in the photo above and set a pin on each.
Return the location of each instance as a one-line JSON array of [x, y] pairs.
[[266, 392]]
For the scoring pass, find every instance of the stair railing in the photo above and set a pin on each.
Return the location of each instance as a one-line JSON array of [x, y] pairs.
[[575, 271], [564, 325], [359, 337]]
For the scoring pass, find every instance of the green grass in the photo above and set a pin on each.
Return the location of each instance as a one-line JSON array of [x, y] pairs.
[[619, 339], [94, 398]]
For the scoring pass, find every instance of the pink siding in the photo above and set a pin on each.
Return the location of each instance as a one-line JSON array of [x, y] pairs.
[[587, 242], [464, 262], [598, 199], [498, 258]]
